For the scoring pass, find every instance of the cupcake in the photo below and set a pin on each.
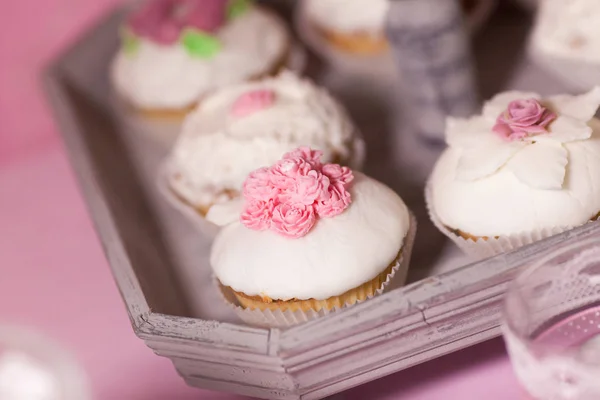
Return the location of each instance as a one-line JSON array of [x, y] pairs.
[[174, 52], [565, 41], [244, 127], [358, 26], [308, 238], [526, 169], [569, 29]]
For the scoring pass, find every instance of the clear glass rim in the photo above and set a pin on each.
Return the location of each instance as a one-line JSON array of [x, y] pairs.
[[525, 271]]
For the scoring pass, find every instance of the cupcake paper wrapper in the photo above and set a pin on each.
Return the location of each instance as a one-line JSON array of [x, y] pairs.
[[481, 249], [282, 319], [207, 228]]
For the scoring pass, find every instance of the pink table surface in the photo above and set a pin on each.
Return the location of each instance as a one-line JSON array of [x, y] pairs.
[[55, 277]]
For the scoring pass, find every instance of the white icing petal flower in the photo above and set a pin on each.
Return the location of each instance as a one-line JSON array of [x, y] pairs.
[[480, 162], [582, 107], [524, 133], [540, 165]]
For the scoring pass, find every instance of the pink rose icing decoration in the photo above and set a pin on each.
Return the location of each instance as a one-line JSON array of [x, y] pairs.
[[251, 102], [523, 118], [338, 200], [162, 21], [293, 220], [258, 214], [338, 173], [313, 157], [258, 185], [290, 196]]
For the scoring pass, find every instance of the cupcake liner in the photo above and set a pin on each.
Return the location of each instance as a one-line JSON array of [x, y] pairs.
[[192, 214], [490, 247], [282, 319]]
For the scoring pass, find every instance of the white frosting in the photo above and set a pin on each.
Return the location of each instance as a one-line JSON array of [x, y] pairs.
[[338, 254], [569, 28], [217, 150], [349, 16], [488, 187], [166, 77]]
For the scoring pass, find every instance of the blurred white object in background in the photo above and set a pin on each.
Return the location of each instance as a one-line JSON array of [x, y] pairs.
[[22, 377], [34, 368], [566, 41]]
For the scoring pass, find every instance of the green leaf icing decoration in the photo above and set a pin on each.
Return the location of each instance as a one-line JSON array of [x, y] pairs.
[[236, 8], [200, 44], [129, 41]]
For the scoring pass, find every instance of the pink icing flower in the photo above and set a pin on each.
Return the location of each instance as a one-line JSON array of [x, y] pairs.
[[257, 214], [162, 21], [305, 189], [339, 199], [336, 172], [288, 197], [313, 157], [293, 221], [523, 118], [259, 186], [289, 168], [251, 102]]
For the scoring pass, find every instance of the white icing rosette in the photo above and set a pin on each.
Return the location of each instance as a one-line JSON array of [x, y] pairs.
[[244, 127], [308, 239], [526, 169]]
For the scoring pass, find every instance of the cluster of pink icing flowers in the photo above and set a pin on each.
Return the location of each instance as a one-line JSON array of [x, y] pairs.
[[289, 196], [523, 118]]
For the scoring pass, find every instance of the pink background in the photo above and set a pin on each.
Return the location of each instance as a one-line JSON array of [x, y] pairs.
[[55, 277]]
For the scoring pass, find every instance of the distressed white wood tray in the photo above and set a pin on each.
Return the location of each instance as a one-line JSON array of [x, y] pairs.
[[160, 262]]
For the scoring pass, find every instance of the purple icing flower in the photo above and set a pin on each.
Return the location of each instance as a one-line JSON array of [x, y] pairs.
[[163, 20], [523, 118]]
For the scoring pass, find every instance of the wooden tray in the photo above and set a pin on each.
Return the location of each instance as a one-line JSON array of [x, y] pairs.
[[160, 263]]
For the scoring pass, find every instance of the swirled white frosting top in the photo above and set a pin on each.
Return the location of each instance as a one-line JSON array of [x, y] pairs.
[[349, 16], [569, 29], [246, 126], [175, 51], [527, 163]]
